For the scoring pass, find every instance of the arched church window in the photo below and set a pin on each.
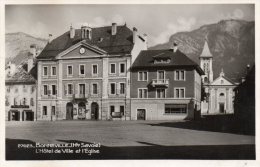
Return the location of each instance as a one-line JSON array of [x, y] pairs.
[[221, 94], [206, 79]]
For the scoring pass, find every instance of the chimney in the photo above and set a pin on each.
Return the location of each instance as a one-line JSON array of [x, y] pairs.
[[114, 29], [72, 32], [175, 46], [33, 50], [134, 34], [31, 56], [50, 38]]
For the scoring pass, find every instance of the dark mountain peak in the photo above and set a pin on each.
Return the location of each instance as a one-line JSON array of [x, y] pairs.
[[231, 43]]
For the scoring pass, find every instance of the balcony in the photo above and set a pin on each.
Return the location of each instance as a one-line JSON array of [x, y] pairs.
[[80, 96], [160, 82]]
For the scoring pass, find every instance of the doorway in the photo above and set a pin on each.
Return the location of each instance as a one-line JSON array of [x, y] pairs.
[[141, 114], [14, 115], [221, 107], [82, 110], [69, 111], [28, 115], [94, 111]]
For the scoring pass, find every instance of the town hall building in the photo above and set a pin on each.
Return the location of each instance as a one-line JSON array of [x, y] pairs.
[[85, 73]]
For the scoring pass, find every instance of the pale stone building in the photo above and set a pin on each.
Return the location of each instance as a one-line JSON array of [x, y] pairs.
[[219, 92]]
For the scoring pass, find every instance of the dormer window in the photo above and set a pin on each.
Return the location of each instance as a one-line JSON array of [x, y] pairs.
[[162, 61], [85, 32]]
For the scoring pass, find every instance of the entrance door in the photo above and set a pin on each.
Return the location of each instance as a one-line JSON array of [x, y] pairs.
[[69, 111], [28, 116], [82, 110], [221, 107], [94, 111], [15, 116], [140, 114]]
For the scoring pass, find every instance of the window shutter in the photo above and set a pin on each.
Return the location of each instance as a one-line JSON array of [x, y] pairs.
[[98, 87], [65, 89], [109, 89], [42, 90], [87, 89], [117, 88], [72, 88], [76, 88]]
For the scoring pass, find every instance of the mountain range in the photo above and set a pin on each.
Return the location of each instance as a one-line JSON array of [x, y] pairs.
[[231, 42], [18, 44]]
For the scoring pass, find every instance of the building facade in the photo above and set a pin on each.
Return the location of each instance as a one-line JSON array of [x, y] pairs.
[[85, 73], [165, 85], [20, 92], [219, 93]]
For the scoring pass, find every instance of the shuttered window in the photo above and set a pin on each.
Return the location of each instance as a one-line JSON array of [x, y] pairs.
[[175, 108]]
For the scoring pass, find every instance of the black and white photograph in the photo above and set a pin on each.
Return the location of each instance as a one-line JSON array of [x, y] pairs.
[[129, 81]]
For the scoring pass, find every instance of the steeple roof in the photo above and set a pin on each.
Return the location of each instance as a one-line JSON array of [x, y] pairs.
[[206, 52]]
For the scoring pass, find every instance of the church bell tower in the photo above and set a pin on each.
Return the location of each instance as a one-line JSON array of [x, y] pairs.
[[206, 64]]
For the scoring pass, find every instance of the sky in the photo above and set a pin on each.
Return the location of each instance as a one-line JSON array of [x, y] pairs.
[[159, 22]]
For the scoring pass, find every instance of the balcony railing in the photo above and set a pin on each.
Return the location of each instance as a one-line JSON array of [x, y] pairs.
[[80, 96], [160, 82]]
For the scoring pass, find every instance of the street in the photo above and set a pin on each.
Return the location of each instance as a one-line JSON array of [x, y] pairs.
[[126, 140]]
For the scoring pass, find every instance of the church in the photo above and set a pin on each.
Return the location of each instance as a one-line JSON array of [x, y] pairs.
[[219, 93]]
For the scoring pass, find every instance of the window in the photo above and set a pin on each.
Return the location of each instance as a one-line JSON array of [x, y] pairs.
[[122, 88], [24, 101], [45, 89], [122, 110], [32, 89], [122, 68], [69, 70], [32, 102], [175, 108], [180, 75], [16, 90], [81, 69], [112, 88], [179, 92], [15, 101], [112, 68], [142, 76], [142, 93], [53, 70], [94, 89], [222, 82], [45, 71], [160, 93], [6, 101], [53, 89], [53, 110], [94, 69], [8, 89], [221, 94], [44, 110], [81, 89], [70, 89], [161, 75], [112, 109], [24, 88]]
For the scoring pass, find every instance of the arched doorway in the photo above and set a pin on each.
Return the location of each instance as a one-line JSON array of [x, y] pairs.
[[81, 110], [69, 111], [94, 111]]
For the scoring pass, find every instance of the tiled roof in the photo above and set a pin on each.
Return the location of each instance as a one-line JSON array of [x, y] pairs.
[[146, 59], [122, 42], [21, 76]]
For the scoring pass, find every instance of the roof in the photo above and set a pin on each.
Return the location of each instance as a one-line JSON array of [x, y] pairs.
[[206, 52], [22, 77], [122, 42], [146, 59]]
